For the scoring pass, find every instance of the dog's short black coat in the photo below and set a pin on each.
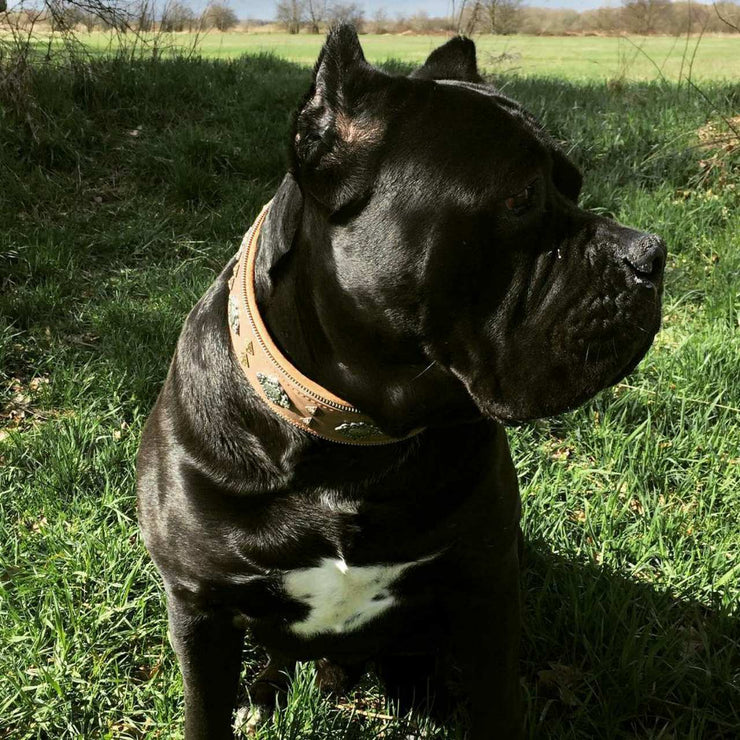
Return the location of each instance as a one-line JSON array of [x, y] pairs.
[[426, 260]]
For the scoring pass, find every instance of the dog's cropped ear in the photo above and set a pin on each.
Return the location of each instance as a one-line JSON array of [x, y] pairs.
[[277, 234], [455, 60], [335, 129]]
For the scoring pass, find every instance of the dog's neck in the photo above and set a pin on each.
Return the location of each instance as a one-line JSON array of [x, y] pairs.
[[294, 280]]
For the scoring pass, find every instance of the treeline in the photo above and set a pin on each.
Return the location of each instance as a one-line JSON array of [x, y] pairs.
[[315, 16], [510, 16], [657, 17], [138, 16]]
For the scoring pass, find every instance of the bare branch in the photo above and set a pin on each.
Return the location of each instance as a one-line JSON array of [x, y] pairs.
[[724, 20]]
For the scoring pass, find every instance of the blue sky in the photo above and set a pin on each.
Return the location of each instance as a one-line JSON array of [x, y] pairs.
[[266, 8]]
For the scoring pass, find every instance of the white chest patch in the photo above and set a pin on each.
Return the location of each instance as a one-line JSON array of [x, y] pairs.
[[341, 597]]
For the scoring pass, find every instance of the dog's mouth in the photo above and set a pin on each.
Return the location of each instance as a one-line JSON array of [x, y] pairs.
[[558, 393], [557, 360], [608, 328]]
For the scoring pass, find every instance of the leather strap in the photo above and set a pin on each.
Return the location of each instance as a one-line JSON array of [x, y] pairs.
[[285, 390]]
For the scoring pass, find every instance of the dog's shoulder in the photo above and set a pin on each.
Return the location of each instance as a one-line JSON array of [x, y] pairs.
[[207, 413]]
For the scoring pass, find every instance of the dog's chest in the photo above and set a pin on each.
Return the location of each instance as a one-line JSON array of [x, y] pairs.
[[342, 597]]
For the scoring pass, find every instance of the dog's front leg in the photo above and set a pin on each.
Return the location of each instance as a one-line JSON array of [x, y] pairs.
[[209, 651], [485, 641]]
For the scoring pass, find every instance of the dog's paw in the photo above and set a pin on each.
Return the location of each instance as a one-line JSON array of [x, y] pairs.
[[335, 679], [249, 719]]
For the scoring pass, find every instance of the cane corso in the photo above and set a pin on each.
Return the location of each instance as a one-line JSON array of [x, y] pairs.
[[326, 466]]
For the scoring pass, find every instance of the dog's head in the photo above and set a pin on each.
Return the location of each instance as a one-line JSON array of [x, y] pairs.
[[454, 237]]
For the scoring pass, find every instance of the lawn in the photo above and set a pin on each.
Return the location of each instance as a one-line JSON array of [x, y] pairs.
[[124, 186], [574, 58]]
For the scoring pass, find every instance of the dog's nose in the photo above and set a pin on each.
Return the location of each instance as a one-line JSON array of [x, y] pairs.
[[646, 255]]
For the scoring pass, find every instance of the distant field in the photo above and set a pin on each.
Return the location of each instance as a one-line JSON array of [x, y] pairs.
[[575, 58]]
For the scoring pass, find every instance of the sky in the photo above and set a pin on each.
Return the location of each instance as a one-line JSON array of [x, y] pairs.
[[266, 8]]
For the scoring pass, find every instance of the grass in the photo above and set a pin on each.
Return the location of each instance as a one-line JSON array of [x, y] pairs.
[[125, 187], [575, 58]]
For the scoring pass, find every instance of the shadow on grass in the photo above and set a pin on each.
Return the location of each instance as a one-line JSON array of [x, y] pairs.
[[133, 181], [605, 651]]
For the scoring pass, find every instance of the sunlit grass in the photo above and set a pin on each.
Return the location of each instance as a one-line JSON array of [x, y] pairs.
[[570, 57]]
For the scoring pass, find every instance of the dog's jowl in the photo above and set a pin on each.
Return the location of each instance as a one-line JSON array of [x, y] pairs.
[[326, 467]]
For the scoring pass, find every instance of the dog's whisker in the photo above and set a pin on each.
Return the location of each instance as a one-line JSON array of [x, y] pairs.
[[427, 368], [639, 327]]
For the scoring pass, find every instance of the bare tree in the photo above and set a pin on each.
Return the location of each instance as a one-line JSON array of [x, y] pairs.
[[68, 17], [464, 15], [345, 12], [380, 21], [142, 19], [470, 15], [176, 16], [290, 14], [64, 15], [456, 15], [315, 14], [641, 16], [502, 16], [220, 16]]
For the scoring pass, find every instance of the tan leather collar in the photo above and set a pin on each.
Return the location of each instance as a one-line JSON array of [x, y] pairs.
[[285, 390]]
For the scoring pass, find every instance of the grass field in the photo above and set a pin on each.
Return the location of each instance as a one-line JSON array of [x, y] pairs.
[[576, 58], [123, 189]]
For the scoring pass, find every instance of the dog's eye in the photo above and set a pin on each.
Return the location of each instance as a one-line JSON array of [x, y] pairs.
[[521, 201]]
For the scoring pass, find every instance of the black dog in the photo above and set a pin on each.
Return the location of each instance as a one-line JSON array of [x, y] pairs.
[[426, 260]]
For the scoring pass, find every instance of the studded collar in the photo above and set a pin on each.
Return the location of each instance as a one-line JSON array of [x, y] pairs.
[[285, 390]]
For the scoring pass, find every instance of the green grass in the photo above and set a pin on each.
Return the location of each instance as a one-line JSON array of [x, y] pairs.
[[124, 189], [575, 58]]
